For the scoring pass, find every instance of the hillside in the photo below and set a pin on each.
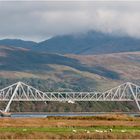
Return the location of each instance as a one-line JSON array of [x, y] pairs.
[[19, 62], [83, 44], [55, 72], [70, 69], [17, 43], [89, 43]]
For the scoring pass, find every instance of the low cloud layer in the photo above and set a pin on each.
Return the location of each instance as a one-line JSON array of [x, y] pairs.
[[41, 20]]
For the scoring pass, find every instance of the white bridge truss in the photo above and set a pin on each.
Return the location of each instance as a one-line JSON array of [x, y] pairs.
[[22, 92]]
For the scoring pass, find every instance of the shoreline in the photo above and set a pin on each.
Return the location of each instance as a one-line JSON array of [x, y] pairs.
[[75, 112]]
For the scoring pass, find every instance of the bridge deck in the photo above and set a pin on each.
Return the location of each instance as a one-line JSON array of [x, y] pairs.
[[23, 92]]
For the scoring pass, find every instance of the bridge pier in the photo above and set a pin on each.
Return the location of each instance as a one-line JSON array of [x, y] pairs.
[[11, 99], [134, 96]]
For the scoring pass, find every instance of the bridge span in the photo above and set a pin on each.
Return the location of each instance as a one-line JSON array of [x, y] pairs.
[[23, 92]]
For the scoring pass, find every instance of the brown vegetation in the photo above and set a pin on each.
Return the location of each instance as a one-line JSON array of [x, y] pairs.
[[44, 135], [62, 123], [113, 120]]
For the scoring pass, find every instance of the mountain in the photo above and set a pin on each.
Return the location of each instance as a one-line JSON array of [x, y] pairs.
[[84, 44], [89, 43], [86, 62], [17, 43]]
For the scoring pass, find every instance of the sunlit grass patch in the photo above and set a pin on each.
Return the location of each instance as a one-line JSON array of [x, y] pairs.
[[70, 129]]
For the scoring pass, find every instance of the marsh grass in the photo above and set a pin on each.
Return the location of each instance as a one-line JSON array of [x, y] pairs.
[[78, 135], [69, 129], [98, 127], [100, 117]]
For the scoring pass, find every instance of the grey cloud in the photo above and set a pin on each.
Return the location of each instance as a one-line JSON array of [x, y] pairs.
[[40, 20]]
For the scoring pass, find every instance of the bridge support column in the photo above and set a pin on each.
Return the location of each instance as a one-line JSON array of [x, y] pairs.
[[10, 101], [135, 98], [138, 105]]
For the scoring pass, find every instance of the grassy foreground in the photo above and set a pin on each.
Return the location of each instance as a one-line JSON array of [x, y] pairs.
[[98, 127]]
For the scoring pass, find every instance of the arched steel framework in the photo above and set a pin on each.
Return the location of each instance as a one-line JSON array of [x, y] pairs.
[[23, 92]]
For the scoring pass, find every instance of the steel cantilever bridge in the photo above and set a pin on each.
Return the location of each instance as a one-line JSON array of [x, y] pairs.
[[23, 92]]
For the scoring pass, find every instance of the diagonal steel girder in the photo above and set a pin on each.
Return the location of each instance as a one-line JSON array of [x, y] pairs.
[[23, 92]]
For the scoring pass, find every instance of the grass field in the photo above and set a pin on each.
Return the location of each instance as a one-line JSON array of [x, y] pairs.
[[97, 127]]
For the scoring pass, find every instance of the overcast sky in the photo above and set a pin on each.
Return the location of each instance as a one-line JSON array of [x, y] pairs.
[[38, 21]]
